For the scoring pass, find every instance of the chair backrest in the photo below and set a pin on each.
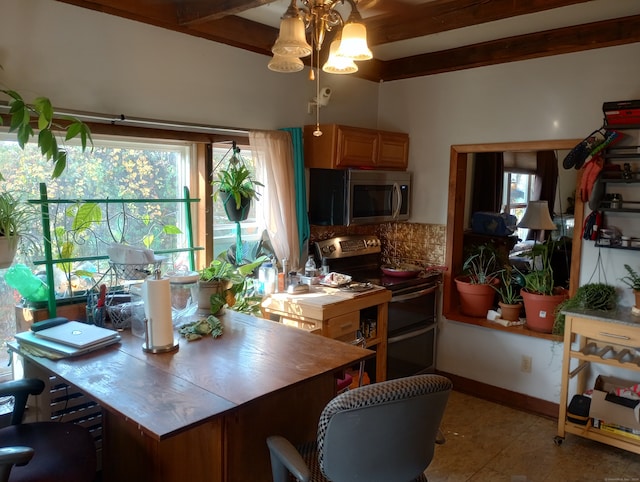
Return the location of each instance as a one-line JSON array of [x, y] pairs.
[[382, 432]]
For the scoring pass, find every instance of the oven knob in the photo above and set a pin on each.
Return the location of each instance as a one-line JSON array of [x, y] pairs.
[[325, 249]]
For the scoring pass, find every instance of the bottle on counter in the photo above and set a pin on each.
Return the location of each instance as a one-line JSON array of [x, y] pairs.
[[282, 277], [324, 267], [267, 278], [310, 267]]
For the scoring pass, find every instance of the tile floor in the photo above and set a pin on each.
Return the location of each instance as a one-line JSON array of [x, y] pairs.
[[487, 442]]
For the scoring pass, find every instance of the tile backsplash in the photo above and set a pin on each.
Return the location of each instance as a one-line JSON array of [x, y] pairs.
[[402, 242]]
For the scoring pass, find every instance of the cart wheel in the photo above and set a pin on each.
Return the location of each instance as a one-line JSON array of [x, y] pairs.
[[558, 440]]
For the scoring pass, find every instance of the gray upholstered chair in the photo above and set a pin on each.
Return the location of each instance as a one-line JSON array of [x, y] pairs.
[[42, 451], [383, 432]]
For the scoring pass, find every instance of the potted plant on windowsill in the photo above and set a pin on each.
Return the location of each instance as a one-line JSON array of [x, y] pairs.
[[476, 285], [632, 280], [540, 295], [510, 300], [15, 218], [222, 281], [236, 187]]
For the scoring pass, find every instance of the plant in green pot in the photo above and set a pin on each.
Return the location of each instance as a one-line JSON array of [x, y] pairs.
[[510, 299], [632, 280], [236, 187], [475, 285], [540, 295]]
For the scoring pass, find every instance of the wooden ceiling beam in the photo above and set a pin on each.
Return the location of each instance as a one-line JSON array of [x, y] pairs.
[[196, 12], [594, 35], [444, 15]]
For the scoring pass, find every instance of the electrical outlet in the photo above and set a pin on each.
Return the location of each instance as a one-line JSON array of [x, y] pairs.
[[525, 364]]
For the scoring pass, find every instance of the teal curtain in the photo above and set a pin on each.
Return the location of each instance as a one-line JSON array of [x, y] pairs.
[[301, 189]]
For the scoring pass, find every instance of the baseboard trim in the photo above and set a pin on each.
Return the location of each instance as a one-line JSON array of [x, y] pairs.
[[502, 396]]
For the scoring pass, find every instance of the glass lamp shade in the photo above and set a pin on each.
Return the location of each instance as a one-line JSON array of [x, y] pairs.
[[537, 216], [336, 64], [285, 64], [291, 39], [354, 42]]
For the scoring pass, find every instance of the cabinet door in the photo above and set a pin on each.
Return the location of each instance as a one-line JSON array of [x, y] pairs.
[[356, 147], [393, 151]]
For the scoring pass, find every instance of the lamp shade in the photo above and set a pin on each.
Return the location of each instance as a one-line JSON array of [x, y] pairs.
[[537, 216], [336, 64], [291, 39], [354, 42], [285, 63]]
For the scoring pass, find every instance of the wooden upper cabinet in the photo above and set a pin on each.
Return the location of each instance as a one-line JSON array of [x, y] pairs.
[[342, 147]]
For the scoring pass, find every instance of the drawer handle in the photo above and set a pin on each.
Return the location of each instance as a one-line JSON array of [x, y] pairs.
[[345, 326], [613, 335]]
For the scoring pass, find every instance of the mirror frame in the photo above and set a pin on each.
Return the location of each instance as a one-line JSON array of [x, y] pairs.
[[455, 223]]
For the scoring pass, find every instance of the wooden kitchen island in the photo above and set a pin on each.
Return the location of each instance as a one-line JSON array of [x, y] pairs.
[[338, 314], [203, 413]]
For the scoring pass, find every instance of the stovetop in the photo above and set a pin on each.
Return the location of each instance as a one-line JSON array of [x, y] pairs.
[[359, 257]]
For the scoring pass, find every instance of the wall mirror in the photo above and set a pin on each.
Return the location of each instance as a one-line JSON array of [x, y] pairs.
[[462, 157]]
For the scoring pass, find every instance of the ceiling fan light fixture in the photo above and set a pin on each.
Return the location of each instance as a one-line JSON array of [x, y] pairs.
[[354, 42], [285, 64], [336, 64], [291, 38]]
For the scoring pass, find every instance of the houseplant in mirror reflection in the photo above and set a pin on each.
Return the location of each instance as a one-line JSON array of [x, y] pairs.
[[481, 271], [540, 295]]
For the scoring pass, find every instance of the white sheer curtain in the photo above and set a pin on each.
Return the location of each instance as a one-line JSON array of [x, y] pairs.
[[274, 153]]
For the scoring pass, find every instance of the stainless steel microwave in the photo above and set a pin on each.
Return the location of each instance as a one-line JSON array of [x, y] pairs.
[[357, 196]]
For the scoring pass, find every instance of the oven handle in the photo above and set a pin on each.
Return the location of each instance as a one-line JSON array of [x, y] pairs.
[[411, 334], [414, 295]]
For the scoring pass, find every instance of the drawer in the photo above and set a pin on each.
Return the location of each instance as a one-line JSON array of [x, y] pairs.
[[609, 332], [343, 327], [310, 326]]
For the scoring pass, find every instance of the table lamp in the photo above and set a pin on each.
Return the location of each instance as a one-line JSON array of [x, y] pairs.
[[537, 217]]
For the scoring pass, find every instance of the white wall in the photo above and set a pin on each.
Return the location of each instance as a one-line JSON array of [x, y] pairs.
[[90, 61], [551, 98]]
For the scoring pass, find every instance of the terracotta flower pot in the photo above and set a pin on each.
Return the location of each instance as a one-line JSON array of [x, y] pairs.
[[475, 299], [540, 309], [510, 312]]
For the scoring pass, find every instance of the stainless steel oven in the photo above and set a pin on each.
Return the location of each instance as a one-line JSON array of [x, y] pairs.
[[412, 330], [412, 320]]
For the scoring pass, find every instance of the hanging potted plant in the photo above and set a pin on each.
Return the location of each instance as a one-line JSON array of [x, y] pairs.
[[15, 218], [476, 284], [540, 295], [591, 296], [236, 187], [510, 300]]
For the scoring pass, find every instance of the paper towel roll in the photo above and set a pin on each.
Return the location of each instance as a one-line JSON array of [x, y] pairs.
[[156, 295]]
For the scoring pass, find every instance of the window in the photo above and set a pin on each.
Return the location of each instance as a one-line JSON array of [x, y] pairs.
[[117, 168], [517, 191], [224, 231]]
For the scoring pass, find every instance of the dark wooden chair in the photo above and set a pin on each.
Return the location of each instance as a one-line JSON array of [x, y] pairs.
[[42, 451]]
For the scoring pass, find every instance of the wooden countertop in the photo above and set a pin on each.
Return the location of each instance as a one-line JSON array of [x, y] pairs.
[[167, 393], [323, 302]]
